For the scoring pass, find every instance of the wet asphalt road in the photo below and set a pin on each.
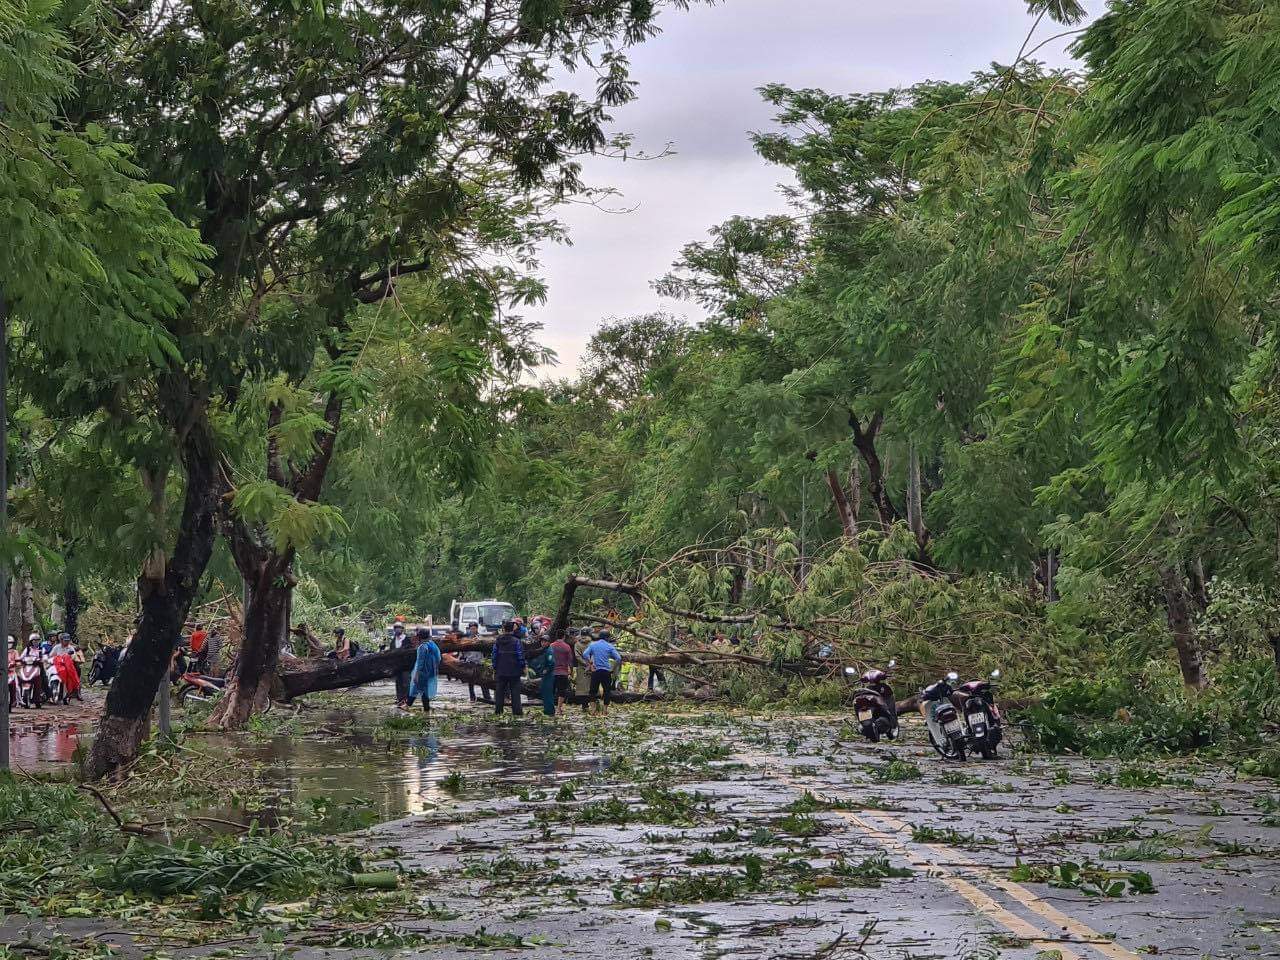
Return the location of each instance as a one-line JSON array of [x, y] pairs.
[[501, 868], [1215, 890]]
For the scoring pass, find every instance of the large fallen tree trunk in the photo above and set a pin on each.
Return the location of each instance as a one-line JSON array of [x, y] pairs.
[[297, 677]]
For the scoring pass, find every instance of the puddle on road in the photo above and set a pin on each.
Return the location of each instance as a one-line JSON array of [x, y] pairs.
[[349, 762], [46, 744]]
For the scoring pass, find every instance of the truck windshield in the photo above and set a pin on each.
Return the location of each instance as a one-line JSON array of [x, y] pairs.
[[492, 614]]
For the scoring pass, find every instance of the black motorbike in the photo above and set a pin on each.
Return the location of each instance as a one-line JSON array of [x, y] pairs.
[[976, 702], [942, 718], [874, 704]]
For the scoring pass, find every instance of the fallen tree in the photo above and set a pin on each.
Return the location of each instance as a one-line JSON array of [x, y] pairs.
[[297, 677]]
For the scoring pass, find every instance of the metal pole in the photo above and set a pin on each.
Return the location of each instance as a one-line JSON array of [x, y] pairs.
[[4, 526]]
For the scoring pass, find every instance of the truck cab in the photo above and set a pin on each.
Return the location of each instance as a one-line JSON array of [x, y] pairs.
[[488, 614]]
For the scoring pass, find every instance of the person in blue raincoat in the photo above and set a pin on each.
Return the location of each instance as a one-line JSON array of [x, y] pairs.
[[426, 670]]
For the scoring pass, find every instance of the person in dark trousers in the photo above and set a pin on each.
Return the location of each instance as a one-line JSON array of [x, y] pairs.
[[508, 668], [562, 666], [600, 657], [400, 639], [475, 656]]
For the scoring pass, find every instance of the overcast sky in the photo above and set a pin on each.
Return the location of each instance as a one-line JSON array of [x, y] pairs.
[[697, 90]]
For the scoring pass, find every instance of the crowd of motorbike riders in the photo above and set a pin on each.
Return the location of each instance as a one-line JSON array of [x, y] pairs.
[[45, 671]]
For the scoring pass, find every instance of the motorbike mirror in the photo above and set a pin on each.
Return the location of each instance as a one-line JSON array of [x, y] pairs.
[[952, 677], [849, 671], [892, 664], [995, 674]]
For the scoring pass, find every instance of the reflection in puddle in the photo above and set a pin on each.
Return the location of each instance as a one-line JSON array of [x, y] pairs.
[[403, 775], [342, 764], [48, 742]]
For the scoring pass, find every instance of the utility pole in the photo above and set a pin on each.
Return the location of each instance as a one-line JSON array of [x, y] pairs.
[[4, 525]]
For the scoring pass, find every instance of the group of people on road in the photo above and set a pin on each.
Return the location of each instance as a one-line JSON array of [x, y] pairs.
[[579, 664], [592, 659]]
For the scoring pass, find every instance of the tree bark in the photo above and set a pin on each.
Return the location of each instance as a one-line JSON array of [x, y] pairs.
[[1178, 612], [22, 606], [265, 630], [71, 603], [864, 440], [165, 597], [268, 574], [848, 525], [915, 504]]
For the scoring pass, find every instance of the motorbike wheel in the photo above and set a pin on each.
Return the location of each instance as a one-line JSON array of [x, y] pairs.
[[190, 693], [871, 732], [957, 752], [988, 752], [945, 752]]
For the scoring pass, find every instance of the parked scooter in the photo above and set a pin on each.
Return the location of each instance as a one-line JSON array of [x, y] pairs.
[[874, 704], [942, 719], [199, 687], [977, 705]]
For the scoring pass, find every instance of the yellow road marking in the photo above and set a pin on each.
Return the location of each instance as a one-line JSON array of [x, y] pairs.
[[1029, 899], [980, 900]]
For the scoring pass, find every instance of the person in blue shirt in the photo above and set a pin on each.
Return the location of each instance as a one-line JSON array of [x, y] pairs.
[[426, 670], [600, 656]]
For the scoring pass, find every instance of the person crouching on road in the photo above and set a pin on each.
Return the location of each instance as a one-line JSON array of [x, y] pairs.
[[508, 668], [600, 657]]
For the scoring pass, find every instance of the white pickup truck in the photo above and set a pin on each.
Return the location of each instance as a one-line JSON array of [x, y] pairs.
[[488, 614]]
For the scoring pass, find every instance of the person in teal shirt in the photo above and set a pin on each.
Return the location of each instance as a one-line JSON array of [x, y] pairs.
[[426, 670], [544, 666]]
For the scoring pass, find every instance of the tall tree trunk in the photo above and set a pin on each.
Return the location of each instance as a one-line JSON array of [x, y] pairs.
[[268, 584], [268, 575], [1178, 611], [848, 524], [71, 603], [855, 490], [1199, 584], [22, 606], [864, 440], [165, 592], [915, 502]]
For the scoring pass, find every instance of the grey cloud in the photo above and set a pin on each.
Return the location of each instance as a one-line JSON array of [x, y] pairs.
[[697, 89]]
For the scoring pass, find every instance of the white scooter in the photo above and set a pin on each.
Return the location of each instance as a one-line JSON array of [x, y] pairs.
[[53, 683], [28, 677]]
